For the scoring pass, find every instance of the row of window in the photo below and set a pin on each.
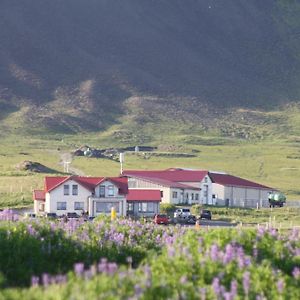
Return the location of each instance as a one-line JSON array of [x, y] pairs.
[[142, 207], [74, 189], [63, 206], [193, 196], [110, 190]]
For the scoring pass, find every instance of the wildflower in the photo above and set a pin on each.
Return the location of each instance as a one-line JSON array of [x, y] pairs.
[[214, 252], [246, 282], [216, 286], [229, 254], [296, 272], [280, 286], [35, 281], [45, 279], [79, 269]]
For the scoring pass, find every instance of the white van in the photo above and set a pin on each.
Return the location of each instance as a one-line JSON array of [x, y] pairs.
[[182, 213]]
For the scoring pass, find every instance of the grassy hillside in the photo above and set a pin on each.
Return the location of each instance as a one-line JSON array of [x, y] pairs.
[[266, 151], [100, 60]]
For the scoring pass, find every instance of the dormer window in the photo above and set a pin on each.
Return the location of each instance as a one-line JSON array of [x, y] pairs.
[[102, 191], [74, 189], [66, 190], [110, 190]]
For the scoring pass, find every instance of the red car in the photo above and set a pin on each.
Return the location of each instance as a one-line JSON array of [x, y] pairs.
[[161, 219]]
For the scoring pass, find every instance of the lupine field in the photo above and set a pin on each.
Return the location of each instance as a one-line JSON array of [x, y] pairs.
[[124, 259]]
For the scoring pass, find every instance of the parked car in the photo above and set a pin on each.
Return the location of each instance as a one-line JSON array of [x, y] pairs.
[[72, 215], [161, 219], [205, 214], [191, 219], [182, 213], [51, 215], [29, 215]]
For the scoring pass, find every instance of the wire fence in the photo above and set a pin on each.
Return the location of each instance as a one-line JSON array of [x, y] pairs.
[[253, 203], [15, 189]]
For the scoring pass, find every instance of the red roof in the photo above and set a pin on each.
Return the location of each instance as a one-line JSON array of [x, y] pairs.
[[167, 183], [144, 195], [39, 195], [230, 180], [173, 175], [89, 183]]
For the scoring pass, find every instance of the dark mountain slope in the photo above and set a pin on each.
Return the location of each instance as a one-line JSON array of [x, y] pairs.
[[74, 62]]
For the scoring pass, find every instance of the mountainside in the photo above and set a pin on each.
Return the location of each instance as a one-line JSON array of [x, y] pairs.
[[71, 65]]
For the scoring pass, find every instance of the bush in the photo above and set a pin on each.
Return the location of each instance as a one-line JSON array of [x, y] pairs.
[[167, 208]]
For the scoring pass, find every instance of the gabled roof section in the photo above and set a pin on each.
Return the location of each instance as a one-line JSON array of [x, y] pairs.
[[230, 180], [144, 195], [89, 183], [39, 195], [173, 175], [167, 183]]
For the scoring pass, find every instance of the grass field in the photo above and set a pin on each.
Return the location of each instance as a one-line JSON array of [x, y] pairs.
[[265, 148]]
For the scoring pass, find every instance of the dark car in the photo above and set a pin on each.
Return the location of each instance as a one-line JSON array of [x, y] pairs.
[[51, 215], [72, 215], [205, 214], [161, 219]]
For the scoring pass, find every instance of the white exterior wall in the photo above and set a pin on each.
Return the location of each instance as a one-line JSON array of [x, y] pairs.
[[240, 196], [57, 195], [204, 198], [137, 183], [37, 206]]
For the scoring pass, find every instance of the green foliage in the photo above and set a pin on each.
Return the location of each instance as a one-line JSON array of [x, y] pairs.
[[187, 265], [167, 208]]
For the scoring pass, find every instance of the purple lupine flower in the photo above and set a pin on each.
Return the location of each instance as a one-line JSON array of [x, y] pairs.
[[216, 286], [183, 279], [233, 288], [112, 268], [45, 279], [246, 282], [228, 296], [229, 254], [31, 230], [296, 272], [138, 290], [35, 281], [280, 285], [79, 269], [214, 252]]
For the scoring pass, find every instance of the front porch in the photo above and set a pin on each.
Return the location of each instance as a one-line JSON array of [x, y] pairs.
[[97, 206]]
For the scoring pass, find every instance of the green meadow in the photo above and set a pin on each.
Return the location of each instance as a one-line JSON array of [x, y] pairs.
[[264, 148]]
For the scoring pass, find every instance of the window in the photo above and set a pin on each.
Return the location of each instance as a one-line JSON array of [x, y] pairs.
[[196, 197], [150, 207], [110, 190], [161, 193], [61, 205], [74, 189], [102, 191], [205, 179], [66, 189], [129, 206], [79, 205], [146, 207], [187, 196], [174, 195], [143, 207], [192, 196], [105, 207]]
